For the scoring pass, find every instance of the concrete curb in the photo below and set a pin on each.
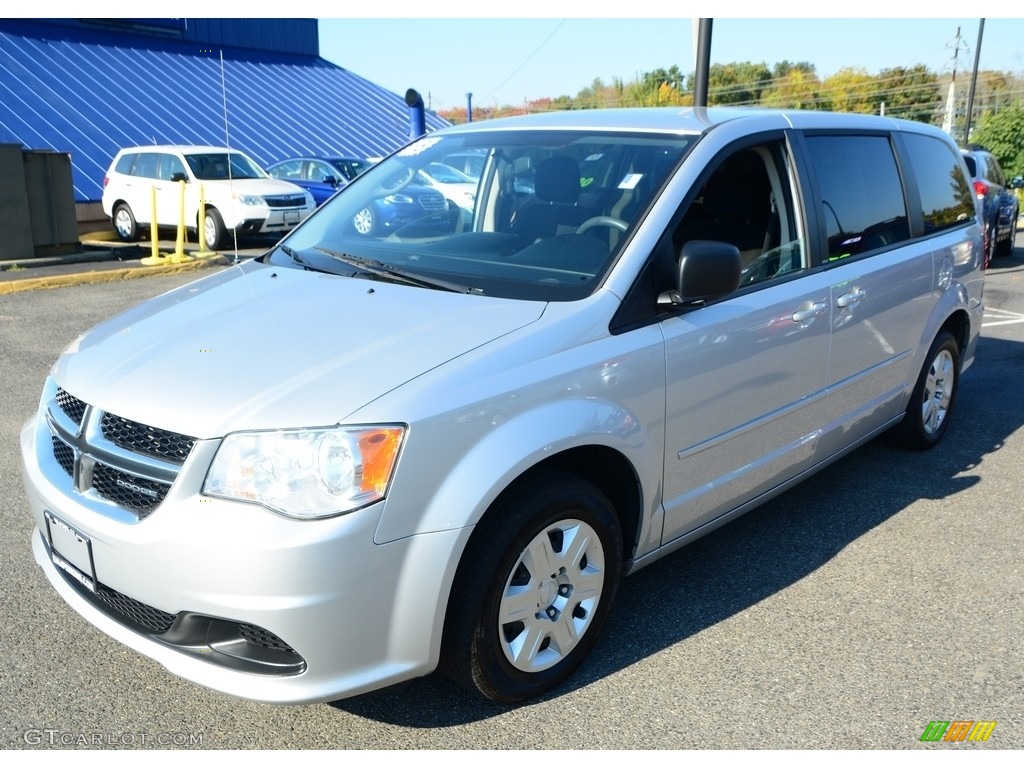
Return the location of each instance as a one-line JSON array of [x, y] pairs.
[[107, 275]]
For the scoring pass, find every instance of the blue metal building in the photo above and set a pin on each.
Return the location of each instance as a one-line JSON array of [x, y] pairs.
[[91, 86]]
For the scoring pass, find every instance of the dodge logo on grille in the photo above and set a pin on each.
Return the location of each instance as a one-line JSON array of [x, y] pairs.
[[136, 488]]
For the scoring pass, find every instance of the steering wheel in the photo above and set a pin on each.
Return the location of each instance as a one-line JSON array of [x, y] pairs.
[[602, 221], [397, 181]]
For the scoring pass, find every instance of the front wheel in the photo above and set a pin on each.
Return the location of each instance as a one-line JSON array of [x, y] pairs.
[[931, 403], [364, 222], [213, 230], [533, 590]]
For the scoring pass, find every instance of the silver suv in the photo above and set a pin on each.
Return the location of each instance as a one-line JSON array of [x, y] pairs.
[[445, 449]]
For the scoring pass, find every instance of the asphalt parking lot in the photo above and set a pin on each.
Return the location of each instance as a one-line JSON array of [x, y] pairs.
[[883, 594]]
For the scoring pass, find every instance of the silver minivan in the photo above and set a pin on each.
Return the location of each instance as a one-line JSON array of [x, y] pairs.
[[374, 456]]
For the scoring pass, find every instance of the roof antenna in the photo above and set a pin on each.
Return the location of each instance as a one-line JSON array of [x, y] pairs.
[[227, 143]]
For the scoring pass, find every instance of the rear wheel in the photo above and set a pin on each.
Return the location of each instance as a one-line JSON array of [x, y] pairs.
[[533, 590], [931, 403], [124, 223], [1005, 248]]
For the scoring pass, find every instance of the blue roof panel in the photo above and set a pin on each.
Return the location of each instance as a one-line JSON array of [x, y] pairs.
[[90, 93]]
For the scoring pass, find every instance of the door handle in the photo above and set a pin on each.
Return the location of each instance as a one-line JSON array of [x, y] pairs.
[[851, 298], [809, 311]]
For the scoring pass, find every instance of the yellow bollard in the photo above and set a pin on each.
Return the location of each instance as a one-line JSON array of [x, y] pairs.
[[179, 246], [202, 253], [155, 258]]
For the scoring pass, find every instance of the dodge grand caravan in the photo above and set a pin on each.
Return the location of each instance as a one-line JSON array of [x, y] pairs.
[[444, 450]]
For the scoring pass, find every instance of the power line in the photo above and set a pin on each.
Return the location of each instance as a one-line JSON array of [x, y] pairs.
[[527, 60]]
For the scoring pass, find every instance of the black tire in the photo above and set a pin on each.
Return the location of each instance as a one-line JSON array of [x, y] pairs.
[[1005, 248], [931, 403], [557, 522], [364, 221], [990, 245], [213, 231], [124, 223]]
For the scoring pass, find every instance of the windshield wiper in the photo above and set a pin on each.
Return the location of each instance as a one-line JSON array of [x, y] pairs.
[[380, 269], [293, 254]]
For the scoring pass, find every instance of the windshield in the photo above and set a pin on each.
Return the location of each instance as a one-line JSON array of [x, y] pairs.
[[213, 166], [545, 220]]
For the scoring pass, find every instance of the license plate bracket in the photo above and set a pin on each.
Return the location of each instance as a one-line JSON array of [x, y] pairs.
[[291, 217], [71, 551]]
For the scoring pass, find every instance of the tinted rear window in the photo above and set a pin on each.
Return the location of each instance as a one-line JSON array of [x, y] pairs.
[[861, 193], [946, 198]]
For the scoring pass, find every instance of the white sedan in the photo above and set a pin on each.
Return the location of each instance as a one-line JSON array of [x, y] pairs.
[[453, 184]]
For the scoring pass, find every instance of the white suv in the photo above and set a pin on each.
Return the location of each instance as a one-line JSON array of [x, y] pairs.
[[238, 194]]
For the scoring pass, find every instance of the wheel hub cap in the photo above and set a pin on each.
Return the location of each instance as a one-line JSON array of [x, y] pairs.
[[551, 595]]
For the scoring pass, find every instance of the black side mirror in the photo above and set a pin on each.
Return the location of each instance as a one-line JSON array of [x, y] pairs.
[[179, 176], [706, 270], [332, 180]]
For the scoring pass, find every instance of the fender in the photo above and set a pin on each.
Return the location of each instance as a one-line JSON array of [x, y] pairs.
[[506, 452]]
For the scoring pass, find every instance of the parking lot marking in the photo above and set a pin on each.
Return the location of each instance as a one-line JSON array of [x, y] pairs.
[[1000, 317]]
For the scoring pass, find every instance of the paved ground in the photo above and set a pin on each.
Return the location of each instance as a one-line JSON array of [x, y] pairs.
[[101, 260], [882, 594]]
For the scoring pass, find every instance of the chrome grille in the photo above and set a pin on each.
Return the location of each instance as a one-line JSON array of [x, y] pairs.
[[125, 463], [285, 201], [138, 494], [71, 405], [150, 441], [64, 454], [432, 201]]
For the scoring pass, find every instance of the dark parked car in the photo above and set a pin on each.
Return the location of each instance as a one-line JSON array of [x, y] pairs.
[[999, 204], [324, 176]]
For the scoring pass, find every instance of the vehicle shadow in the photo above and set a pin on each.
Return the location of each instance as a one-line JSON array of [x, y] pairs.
[[762, 552]]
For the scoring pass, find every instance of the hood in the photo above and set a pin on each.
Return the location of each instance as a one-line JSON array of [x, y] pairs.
[[263, 187], [262, 347]]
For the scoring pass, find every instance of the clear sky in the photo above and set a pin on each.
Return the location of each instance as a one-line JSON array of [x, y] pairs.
[[510, 60]]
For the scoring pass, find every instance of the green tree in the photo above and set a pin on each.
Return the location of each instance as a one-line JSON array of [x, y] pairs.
[[1002, 133], [737, 83], [784, 68], [910, 93]]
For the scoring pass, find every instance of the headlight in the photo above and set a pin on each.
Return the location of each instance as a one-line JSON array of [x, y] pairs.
[[250, 199], [398, 198], [306, 473]]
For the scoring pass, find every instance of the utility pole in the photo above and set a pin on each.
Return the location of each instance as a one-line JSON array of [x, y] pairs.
[[947, 120], [974, 82]]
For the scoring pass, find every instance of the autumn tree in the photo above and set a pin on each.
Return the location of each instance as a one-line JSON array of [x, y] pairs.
[[850, 90], [798, 88]]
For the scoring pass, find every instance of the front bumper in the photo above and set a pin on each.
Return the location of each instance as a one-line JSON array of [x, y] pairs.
[[336, 614]]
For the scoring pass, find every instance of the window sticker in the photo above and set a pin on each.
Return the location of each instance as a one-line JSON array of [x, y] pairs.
[[630, 180], [420, 146]]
